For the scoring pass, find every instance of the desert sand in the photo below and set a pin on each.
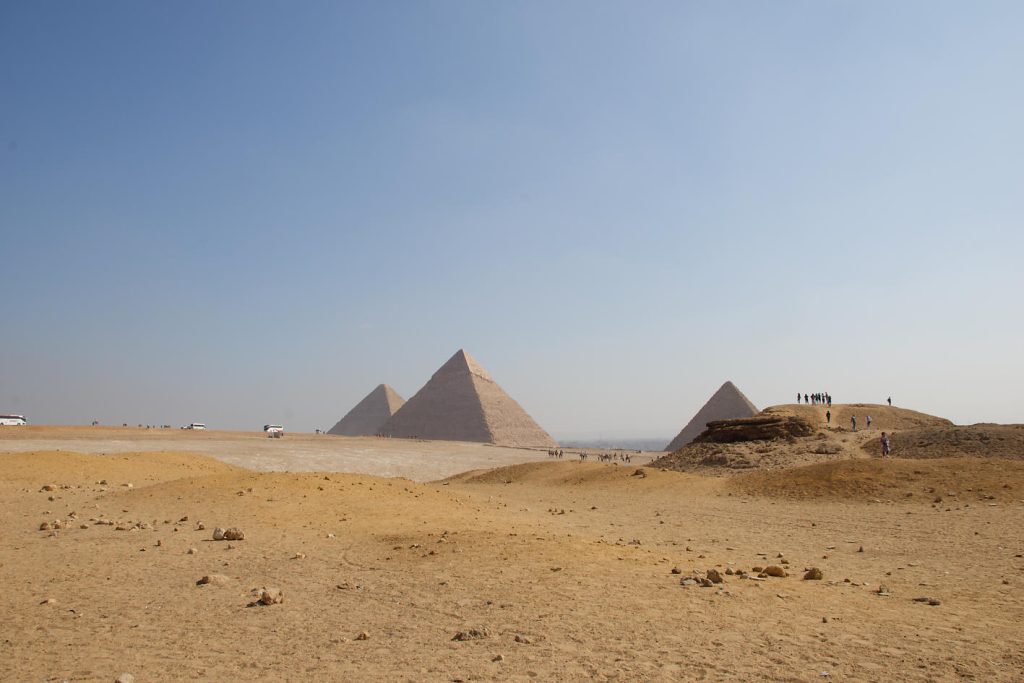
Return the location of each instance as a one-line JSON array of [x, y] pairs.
[[543, 570]]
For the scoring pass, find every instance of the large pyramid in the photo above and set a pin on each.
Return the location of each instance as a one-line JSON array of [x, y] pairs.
[[726, 403], [370, 414], [462, 403]]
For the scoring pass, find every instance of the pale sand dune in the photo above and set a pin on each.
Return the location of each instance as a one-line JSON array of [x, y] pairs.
[[494, 551]]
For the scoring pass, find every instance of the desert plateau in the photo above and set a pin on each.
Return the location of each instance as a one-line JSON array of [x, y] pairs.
[[785, 558]]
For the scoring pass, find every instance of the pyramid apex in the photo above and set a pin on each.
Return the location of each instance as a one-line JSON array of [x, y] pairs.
[[463, 362]]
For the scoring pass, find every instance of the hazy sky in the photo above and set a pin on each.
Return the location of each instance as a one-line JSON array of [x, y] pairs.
[[251, 212]]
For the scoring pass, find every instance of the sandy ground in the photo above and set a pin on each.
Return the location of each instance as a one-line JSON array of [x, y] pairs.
[[563, 569], [414, 459]]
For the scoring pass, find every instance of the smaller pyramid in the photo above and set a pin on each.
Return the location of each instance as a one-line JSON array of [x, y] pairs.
[[370, 414], [725, 404]]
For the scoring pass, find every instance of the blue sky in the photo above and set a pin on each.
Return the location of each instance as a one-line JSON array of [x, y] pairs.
[[252, 212]]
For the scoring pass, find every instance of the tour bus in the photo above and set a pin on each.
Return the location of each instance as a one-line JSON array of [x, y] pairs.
[[12, 420], [274, 431], [196, 425]]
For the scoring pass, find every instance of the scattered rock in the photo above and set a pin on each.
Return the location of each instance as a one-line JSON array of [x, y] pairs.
[[125, 678], [271, 596], [688, 581], [299, 556], [191, 551], [931, 601], [213, 579], [714, 576], [675, 570], [234, 534], [48, 487], [498, 658], [471, 634], [218, 534], [200, 526], [523, 639], [49, 601], [44, 526], [812, 574], [363, 635], [775, 570]]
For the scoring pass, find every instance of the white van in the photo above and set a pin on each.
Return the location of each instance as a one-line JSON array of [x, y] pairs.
[[196, 425], [274, 431], [12, 420]]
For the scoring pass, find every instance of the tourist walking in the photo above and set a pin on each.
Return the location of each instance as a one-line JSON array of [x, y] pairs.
[[869, 421], [885, 445], [828, 417], [889, 400], [853, 422]]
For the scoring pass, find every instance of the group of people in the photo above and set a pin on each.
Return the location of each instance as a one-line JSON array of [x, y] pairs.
[[601, 457], [820, 399]]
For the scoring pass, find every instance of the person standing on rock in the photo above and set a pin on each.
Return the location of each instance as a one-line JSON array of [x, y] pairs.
[[828, 417], [853, 422], [885, 445]]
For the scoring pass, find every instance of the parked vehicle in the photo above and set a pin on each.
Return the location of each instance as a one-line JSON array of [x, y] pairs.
[[12, 420], [196, 425], [274, 431]]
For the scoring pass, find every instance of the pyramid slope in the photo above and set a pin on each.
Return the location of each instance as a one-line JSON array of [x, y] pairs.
[[370, 414], [461, 402], [725, 404]]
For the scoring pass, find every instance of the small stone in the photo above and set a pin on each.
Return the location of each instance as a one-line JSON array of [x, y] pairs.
[[48, 487], [299, 556], [775, 570], [729, 571], [214, 580], [675, 570], [271, 596], [471, 634], [860, 549], [200, 526], [812, 574], [125, 678], [44, 526], [184, 519], [49, 601], [757, 570], [218, 534], [191, 551], [714, 576], [824, 620], [688, 581], [234, 534], [363, 635], [498, 658], [523, 639]]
